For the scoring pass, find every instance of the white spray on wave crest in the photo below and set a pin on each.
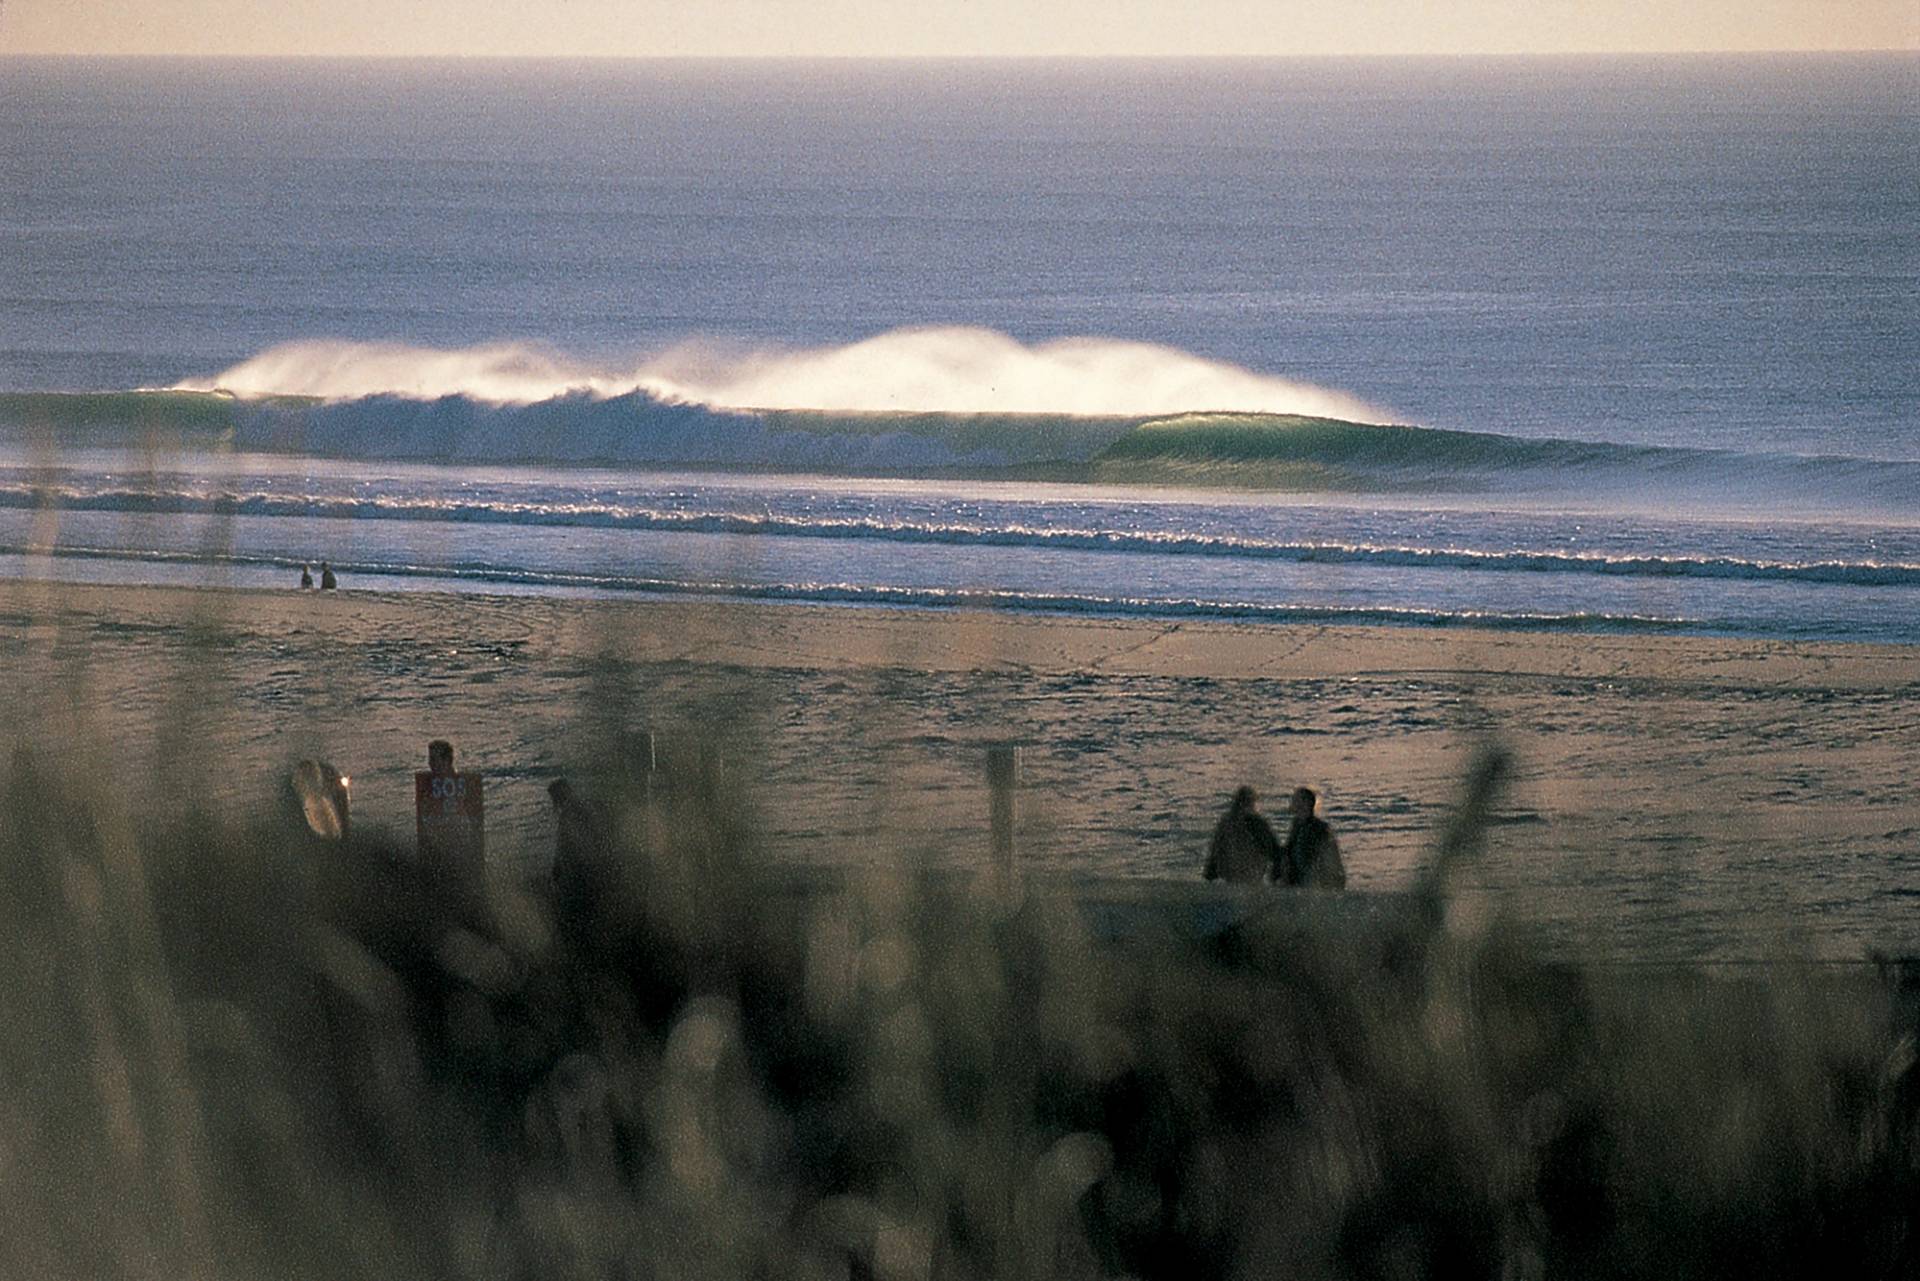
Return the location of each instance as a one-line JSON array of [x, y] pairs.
[[933, 370], [506, 373]]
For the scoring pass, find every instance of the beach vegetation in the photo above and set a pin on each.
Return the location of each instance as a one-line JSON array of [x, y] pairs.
[[240, 1047]]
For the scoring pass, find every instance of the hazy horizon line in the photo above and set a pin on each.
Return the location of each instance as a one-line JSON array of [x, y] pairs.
[[1311, 56]]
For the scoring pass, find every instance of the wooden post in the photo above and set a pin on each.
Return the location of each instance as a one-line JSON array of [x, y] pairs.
[[640, 764], [1003, 777]]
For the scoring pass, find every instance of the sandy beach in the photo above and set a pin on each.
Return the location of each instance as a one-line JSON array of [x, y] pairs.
[[1674, 797]]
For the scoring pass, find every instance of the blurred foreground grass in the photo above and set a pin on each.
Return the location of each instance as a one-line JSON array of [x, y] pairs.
[[236, 1050]]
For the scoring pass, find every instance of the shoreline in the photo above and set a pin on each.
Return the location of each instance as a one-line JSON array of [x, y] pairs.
[[1049, 642]]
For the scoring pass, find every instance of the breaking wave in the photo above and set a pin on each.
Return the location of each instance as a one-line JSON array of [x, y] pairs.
[[945, 370], [913, 403]]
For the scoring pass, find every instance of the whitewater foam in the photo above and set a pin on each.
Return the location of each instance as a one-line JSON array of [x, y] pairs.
[[952, 370], [578, 514]]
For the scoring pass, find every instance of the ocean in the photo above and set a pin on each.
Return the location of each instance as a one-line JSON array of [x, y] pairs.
[[1589, 344]]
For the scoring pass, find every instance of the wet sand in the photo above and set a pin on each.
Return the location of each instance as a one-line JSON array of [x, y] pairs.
[[1674, 797]]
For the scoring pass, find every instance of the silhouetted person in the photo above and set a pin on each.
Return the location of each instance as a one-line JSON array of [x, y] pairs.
[[1243, 847], [327, 580], [306, 576], [1311, 855]]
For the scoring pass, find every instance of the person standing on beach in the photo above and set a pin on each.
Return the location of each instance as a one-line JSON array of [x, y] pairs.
[[306, 577], [1244, 847], [1310, 855], [327, 581]]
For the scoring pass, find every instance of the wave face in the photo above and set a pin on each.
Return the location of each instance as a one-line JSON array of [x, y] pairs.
[[1279, 453], [915, 403]]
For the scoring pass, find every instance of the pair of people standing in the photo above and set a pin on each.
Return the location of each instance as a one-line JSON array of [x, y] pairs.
[[1244, 847], [327, 580]]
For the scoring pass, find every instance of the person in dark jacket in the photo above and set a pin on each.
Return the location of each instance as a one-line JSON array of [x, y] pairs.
[[327, 580], [1310, 855], [1244, 847]]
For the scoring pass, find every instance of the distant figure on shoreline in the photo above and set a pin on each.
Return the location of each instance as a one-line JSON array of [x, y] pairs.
[[306, 577], [1244, 847], [1310, 855], [327, 581]]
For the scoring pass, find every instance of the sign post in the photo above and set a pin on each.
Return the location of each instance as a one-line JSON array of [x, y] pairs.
[[450, 820]]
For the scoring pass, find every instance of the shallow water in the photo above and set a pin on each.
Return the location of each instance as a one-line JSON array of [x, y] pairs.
[[1064, 549]]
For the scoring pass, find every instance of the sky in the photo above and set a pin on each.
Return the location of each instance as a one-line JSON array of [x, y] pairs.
[[882, 28]]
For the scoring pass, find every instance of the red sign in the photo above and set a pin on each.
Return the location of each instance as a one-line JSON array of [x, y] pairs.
[[450, 817]]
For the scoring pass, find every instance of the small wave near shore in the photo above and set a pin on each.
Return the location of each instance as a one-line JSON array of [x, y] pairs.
[[572, 513]]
